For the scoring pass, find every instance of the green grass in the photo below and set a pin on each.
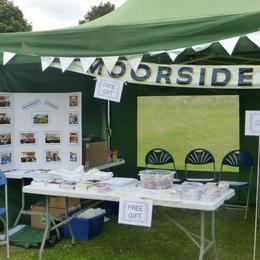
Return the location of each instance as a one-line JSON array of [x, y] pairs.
[[162, 241], [182, 123]]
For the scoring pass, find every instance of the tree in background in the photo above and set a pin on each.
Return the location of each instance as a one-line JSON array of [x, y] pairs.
[[12, 19], [97, 11]]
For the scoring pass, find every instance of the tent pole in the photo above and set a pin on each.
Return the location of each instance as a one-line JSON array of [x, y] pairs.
[[257, 196], [109, 130]]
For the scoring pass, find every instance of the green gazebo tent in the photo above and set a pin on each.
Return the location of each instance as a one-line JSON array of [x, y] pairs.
[[152, 30], [144, 26]]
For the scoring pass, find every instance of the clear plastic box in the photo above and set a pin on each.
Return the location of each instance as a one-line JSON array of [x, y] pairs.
[[156, 179]]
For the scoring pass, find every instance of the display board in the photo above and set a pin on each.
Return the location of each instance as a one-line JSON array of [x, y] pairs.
[[40, 130]]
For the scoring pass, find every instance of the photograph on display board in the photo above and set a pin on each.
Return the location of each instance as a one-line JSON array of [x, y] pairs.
[[74, 101], [28, 157], [74, 138], [53, 157], [5, 101], [27, 138], [73, 157], [5, 139], [40, 118], [52, 138], [6, 158], [73, 118], [5, 119]]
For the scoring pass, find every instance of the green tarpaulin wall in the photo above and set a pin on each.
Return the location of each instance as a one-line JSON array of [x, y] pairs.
[[136, 27]]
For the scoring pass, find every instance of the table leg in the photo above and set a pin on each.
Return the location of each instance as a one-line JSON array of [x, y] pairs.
[[202, 236], [47, 227], [69, 226], [213, 236], [22, 207]]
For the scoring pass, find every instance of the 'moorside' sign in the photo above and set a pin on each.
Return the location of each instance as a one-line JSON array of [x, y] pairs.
[[199, 76]]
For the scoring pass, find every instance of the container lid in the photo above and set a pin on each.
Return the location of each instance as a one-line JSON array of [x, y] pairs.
[[156, 172]]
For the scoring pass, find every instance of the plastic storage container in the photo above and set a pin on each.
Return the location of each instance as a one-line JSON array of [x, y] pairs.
[[84, 228], [156, 179]]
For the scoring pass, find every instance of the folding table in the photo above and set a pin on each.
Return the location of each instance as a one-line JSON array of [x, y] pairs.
[[160, 198]]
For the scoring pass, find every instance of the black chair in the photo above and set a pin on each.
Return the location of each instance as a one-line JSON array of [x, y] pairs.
[[159, 156], [200, 156], [238, 158]]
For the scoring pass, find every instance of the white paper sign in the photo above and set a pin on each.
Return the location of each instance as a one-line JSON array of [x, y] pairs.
[[109, 89], [135, 211], [252, 126]]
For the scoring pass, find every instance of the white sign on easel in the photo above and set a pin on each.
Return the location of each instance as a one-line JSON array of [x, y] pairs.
[[252, 128], [135, 211], [109, 89]]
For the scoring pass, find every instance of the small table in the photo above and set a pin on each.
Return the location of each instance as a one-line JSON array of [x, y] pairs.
[[110, 164], [159, 198]]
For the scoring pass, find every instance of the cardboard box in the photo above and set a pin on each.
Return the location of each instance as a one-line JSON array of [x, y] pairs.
[[94, 153], [59, 202], [38, 221]]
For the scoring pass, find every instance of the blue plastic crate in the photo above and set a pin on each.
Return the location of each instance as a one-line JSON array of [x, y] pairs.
[[85, 229]]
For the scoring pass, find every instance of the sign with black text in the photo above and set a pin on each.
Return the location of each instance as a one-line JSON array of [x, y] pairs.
[[135, 211], [109, 89]]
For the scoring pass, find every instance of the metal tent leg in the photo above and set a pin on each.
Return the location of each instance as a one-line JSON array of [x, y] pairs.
[[7, 223], [47, 228]]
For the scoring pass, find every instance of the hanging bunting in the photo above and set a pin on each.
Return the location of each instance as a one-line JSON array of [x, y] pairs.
[[110, 62], [154, 53], [173, 54], [86, 63], [65, 62], [46, 62], [134, 60], [7, 56], [229, 44], [201, 47], [255, 38]]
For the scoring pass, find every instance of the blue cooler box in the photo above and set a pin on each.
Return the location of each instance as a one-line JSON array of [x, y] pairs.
[[85, 229]]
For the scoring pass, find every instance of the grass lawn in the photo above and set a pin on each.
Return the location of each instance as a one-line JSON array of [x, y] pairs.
[[182, 123], [162, 241]]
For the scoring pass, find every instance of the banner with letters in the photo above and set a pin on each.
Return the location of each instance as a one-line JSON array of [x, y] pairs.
[[190, 76], [195, 76]]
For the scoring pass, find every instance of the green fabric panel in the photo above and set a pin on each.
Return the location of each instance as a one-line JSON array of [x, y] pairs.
[[29, 237], [249, 101], [142, 26], [124, 131]]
